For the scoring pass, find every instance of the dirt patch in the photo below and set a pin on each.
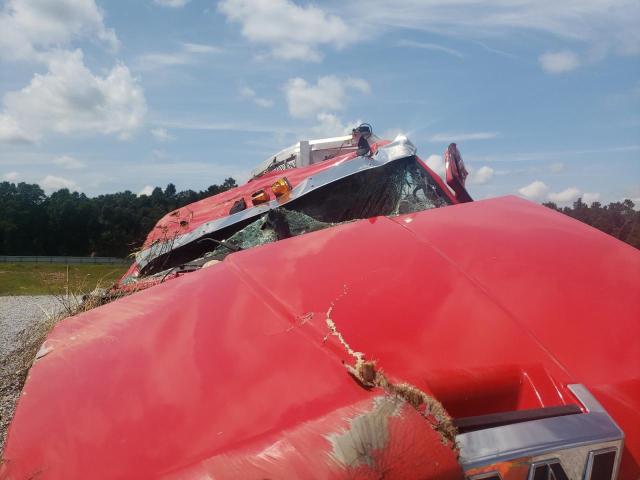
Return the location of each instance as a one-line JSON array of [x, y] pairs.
[[53, 277]]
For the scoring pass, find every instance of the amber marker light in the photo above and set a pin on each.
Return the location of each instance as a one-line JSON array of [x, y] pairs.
[[281, 187], [259, 197]]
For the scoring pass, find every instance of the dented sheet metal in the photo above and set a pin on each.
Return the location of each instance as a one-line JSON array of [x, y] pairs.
[[396, 188], [234, 372], [232, 383], [399, 148], [377, 437]]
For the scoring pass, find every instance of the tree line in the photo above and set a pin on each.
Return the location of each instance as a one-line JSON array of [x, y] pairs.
[[70, 223], [618, 219]]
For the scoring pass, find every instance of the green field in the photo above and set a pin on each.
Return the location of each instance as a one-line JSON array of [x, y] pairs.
[[54, 278]]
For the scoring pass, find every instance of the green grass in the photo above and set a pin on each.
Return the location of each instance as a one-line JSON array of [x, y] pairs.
[[51, 278]]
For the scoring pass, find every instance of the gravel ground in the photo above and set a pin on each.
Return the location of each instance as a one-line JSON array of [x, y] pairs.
[[19, 314], [24, 321]]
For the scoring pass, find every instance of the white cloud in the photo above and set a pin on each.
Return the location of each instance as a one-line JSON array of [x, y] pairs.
[[463, 137], [430, 46], [540, 191], [589, 198], [250, 93], [559, 62], [263, 102], [153, 61], [495, 50], [391, 133], [200, 48], [328, 94], [69, 99], [567, 195], [11, 132], [632, 192], [171, 3], [147, 190], [161, 134], [632, 94], [51, 183], [436, 163], [188, 54], [290, 31], [11, 176], [329, 125], [159, 154], [550, 155], [247, 92], [481, 176], [244, 127], [535, 190], [601, 26], [68, 162], [557, 167], [29, 27]]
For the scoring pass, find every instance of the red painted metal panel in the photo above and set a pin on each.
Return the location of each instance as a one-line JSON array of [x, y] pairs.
[[232, 372]]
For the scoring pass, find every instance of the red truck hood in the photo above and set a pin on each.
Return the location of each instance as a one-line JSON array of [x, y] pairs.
[[233, 372]]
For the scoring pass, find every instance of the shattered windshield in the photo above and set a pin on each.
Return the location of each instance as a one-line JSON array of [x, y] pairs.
[[399, 187]]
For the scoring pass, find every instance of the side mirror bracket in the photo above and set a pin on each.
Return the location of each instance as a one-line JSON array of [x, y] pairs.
[[456, 173]]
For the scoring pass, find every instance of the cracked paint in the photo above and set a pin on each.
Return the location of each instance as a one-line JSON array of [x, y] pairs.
[[370, 376]]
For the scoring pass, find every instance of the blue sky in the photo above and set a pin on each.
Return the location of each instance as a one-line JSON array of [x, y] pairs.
[[542, 97]]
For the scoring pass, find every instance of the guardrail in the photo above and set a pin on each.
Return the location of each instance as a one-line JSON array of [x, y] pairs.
[[65, 260]]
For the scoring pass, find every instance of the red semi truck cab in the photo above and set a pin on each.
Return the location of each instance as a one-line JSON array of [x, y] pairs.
[[348, 314]]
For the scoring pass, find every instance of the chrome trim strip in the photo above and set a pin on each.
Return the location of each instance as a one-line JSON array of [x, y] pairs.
[[400, 148], [529, 439]]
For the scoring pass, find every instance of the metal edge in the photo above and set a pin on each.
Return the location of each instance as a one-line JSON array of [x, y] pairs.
[[534, 438], [590, 403]]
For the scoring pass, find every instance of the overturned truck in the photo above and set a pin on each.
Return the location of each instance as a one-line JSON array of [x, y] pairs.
[[348, 314]]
